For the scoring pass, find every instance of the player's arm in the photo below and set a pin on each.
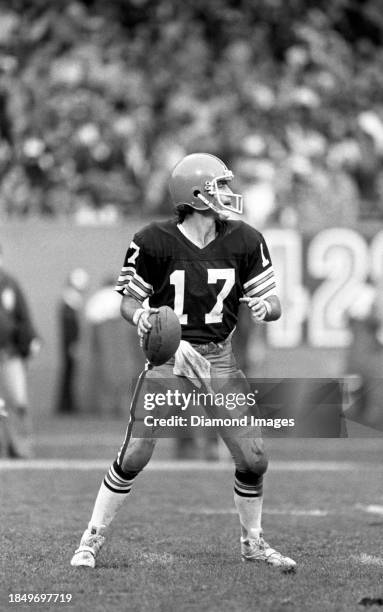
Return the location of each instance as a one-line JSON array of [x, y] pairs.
[[133, 311], [268, 309], [260, 291], [135, 287]]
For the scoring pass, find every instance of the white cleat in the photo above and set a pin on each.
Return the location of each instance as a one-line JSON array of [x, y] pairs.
[[256, 549], [91, 542]]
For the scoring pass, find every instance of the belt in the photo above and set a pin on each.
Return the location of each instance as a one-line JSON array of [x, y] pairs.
[[211, 347]]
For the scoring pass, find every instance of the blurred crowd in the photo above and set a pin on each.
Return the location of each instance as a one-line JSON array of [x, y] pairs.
[[98, 100]]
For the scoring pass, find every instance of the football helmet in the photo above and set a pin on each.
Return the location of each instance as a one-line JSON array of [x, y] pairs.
[[200, 180]]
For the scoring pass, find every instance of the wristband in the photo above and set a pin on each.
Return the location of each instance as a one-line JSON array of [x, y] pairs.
[[137, 315]]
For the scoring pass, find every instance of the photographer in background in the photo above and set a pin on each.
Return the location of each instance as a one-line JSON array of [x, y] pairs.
[[364, 357]]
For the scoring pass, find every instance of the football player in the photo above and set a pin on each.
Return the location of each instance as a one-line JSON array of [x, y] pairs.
[[202, 264]]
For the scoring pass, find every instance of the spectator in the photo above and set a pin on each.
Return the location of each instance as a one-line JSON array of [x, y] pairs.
[[69, 315], [18, 342], [364, 357], [89, 119]]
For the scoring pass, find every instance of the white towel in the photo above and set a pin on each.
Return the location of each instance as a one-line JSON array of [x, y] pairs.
[[192, 365]]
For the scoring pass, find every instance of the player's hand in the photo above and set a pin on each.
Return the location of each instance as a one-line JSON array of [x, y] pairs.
[[144, 325], [257, 306]]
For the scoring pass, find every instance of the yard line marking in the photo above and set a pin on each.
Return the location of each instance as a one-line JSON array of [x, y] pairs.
[[184, 466], [56, 438], [155, 558], [78, 439], [365, 559], [273, 511], [372, 508], [310, 466], [297, 512]]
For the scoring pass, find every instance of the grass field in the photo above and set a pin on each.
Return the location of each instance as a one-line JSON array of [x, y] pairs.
[[175, 545]]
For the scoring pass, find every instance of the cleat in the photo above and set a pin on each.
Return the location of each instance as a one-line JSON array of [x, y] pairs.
[[256, 549], [91, 542]]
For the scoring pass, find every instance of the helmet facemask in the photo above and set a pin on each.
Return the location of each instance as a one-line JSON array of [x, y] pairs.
[[213, 188]]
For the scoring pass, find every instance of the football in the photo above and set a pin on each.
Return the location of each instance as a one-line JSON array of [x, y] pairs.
[[162, 341]]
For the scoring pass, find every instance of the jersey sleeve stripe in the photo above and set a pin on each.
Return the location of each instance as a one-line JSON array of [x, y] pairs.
[[269, 290], [135, 285], [122, 284], [137, 290], [143, 284], [127, 270], [257, 287], [139, 282], [253, 282], [131, 291], [123, 280]]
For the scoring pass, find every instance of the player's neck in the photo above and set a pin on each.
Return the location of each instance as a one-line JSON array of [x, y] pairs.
[[200, 230]]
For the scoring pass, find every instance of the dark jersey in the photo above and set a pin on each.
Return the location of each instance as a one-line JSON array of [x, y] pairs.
[[202, 285], [16, 328]]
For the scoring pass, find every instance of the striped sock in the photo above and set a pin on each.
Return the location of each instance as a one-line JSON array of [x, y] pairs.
[[248, 489], [119, 481], [112, 494]]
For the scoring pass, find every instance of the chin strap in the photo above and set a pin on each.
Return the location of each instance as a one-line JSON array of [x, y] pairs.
[[208, 203], [217, 209], [203, 199]]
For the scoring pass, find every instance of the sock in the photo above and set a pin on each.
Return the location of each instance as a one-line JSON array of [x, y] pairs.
[[112, 494], [248, 501]]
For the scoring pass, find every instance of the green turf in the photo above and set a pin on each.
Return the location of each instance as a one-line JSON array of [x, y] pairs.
[[166, 551]]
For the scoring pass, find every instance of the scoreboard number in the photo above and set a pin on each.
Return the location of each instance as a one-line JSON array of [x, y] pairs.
[[376, 255], [340, 257], [317, 285], [287, 262]]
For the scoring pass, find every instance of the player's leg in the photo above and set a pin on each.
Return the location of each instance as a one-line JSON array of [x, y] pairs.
[[247, 449], [133, 456], [115, 488], [18, 425], [250, 466]]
